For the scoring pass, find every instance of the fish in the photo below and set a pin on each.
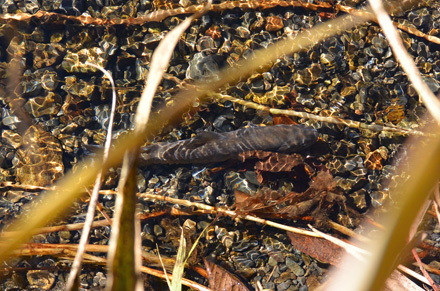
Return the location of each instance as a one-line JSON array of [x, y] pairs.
[[212, 147]]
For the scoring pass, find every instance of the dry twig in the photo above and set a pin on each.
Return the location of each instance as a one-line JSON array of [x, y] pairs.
[[329, 119]]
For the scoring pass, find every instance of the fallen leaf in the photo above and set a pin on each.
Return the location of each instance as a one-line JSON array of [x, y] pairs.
[[272, 161], [282, 119], [220, 279], [318, 248]]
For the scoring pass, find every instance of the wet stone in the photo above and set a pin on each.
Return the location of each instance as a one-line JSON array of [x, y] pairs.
[[284, 285], [74, 62], [202, 67], [274, 23], [99, 279], [272, 262], [40, 160], [359, 199], [243, 32], [42, 279], [40, 106], [158, 231], [46, 55], [80, 88], [296, 269], [206, 44], [12, 138], [214, 32], [269, 285]]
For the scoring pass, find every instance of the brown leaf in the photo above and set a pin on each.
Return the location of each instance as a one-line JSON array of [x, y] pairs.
[[322, 182], [318, 248], [279, 163], [299, 209], [253, 155], [220, 279], [282, 119], [246, 203], [273, 162]]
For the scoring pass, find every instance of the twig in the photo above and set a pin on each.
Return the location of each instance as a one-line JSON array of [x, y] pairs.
[[344, 230], [405, 60], [100, 208], [422, 269], [159, 15], [411, 30], [231, 213], [429, 268], [437, 213], [436, 203], [78, 226], [334, 120], [67, 251], [411, 273]]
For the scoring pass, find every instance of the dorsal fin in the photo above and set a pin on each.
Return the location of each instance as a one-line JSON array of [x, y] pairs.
[[203, 138]]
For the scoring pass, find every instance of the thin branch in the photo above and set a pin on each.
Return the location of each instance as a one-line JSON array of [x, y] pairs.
[[411, 30], [348, 232], [67, 252], [231, 213], [328, 119], [159, 15], [422, 269]]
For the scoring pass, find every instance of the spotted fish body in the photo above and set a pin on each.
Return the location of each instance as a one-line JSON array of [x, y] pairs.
[[211, 147]]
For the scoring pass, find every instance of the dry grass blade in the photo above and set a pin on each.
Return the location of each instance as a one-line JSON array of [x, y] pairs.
[[424, 163], [176, 281], [124, 255], [53, 203], [76, 266]]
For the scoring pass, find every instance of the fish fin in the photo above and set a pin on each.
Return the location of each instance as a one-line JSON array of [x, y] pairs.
[[203, 138]]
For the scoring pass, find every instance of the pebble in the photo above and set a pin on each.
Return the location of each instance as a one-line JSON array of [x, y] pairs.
[[296, 269]]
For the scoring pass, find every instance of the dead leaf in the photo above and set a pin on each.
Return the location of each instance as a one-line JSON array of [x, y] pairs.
[[318, 248], [282, 119], [273, 162], [220, 279], [323, 182], [317, 201]]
